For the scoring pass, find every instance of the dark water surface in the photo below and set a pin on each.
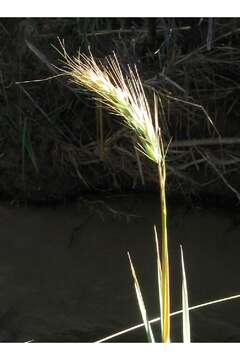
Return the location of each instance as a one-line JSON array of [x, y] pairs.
[[64, 272]]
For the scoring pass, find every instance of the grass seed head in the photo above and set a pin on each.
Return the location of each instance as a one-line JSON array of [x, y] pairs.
[[125, 96]]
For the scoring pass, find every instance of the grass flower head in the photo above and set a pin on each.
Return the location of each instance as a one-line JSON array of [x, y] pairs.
[[124, 95]]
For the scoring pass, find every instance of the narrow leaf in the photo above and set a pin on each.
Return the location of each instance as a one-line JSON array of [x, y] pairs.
[[159, 272], [186, 321], [141, 304]]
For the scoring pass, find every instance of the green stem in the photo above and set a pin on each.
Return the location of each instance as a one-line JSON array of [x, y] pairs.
[[165, 262]]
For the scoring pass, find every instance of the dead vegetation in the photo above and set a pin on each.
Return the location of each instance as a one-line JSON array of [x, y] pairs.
[[51, 147]]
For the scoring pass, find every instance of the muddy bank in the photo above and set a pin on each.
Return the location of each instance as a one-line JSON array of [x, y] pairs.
[[64, 274]]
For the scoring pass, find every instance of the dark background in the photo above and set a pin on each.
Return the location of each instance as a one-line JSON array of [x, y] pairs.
[[56, 143], [64, 272]]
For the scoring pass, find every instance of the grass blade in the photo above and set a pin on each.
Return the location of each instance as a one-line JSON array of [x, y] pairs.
[[159, 272], [152, 321], [186, 321], [141, 304]]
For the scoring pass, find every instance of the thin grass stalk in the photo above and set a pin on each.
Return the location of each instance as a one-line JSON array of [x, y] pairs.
[[165, 261], [165, 258], [125, 96]]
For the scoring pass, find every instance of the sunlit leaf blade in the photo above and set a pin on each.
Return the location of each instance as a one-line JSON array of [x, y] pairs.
[[186, 321], [141, 304], [152, 321], [159, 273]]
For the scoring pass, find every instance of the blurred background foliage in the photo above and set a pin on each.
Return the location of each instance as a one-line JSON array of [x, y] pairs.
[[56, 143]]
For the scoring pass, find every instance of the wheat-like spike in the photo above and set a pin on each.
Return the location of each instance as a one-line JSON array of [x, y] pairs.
[[125, 96]]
